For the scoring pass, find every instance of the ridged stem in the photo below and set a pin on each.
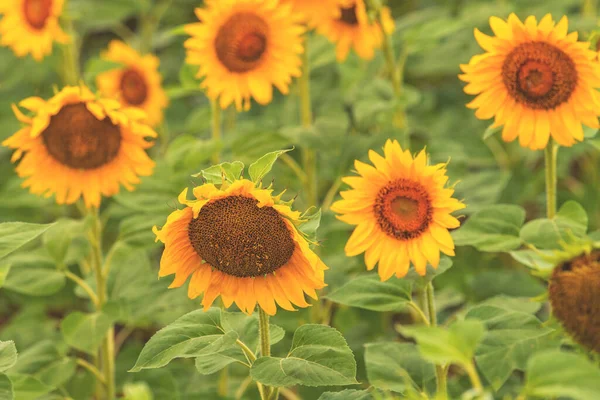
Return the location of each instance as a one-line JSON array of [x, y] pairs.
[[440, 371], [216, 129], [265, 348], [550, 154]]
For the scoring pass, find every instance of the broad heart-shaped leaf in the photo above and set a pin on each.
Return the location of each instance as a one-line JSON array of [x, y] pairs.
[[555, 373], [58, 238], [512, 336], [4, 270], [27, 387], [494, 228], [246, 327], [348, 394], [319, 356], [397, 366], [6, 389], [431, 273], [219, 173], [85, 331], [58, 372], [570, 220], [261, 167], [8, 355], [195, 334], [15, 234], [35, 281], [456, 344], [368, 292]]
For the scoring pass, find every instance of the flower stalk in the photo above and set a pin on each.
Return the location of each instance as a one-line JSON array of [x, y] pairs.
[[550, 166], [267, 393], [216, 130], [440, 371]]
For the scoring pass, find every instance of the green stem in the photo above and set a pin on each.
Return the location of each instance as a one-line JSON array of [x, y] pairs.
[[474, 377], [92, 368], [106, 359], [440, 371], [308, 157], [83, 284], [265, 346], [550, 160], [71, 71], [422, 317], [216, 129]]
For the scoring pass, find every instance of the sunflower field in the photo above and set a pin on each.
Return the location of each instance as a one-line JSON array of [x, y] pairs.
[[299, 199]]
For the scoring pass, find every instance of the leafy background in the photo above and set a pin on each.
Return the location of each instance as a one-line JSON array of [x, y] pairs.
[[484, 298]]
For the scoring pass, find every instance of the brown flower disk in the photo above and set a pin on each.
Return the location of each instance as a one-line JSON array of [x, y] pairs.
[[76, 138], [241, 42], [239, 238], [133, 87], [575, 298]]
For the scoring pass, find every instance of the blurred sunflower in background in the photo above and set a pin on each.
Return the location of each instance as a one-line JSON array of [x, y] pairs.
[[137, 83], [31, 26], [241, 243], [244, 48], [536, 80], [313, 10], [75, 145], [401, 209], [350, 27]]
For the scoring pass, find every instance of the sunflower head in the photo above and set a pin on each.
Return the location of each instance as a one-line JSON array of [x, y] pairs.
[[137, 83], [245, 47], [536, 80], [312, 11], [76, 145], [349, 26], [575, 297], [31, 26], [242, 243], [402, 212]]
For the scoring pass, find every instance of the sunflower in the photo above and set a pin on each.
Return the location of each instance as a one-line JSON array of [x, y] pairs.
[[243, 48], [536, 80], [30, 26], [76, 145], [137, 83], [574, 293], [401, 210], [313, 10], [241, 243], [350, 27]]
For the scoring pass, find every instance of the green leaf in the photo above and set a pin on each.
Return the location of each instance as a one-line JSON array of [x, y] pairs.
[[15, 234], [319, 356], [456, 344], [4, 270], [195, 334], [136, 230], [27, 387], [570, 220], [85, 332], [310, 225], [220, 172], [261, 167], [57, 373], [8, 355], [210, 363], [397, 366], [58, 238], [493, 229], [137, 391], [368, 292], [348, 394], [555, 373], [6, 388], [513, 335], [33, 359], [35, 281], [431, 273]]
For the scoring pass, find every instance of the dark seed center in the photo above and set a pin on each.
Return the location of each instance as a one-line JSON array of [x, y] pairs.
[[239, 238], [348, 15], [76, 138], [133, 87], [37, 12]]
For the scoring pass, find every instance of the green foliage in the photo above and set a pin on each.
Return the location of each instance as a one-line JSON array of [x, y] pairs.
[[557, 373], [455, 345], [15, 234], [319, 356], [261, 167], [85, 331], [570, 222]]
